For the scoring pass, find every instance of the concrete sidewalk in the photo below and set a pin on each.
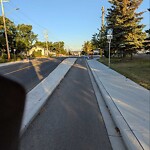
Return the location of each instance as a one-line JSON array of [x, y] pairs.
[[129, 105]]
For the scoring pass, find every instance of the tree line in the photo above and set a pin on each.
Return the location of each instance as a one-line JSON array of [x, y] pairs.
[[21, 38], [57, 47], [128, 34]]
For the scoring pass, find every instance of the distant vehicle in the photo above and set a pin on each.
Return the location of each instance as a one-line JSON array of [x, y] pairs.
[[147, 52]]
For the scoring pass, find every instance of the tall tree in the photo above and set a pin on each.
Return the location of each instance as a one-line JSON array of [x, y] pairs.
[[87, 47], [102, 39], [40, 44], [99, 40], [147, 41], [95, 40], [11, 33], [58, 47], [125, 22], [25, 36]]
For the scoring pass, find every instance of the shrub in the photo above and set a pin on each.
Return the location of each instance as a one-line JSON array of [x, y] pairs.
[[106, 53], [37, 53], [20, 56], [4, 56], [11, 56]]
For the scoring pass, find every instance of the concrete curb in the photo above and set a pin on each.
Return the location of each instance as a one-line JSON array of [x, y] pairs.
[[38, 96], [114, 136], [11, 63], [128, 136]]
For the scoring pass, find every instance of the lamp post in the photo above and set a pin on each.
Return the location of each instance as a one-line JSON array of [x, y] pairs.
[[3, 15], [109, 38], [14, 54]]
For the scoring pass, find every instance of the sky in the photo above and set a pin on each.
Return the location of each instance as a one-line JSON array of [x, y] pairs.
[[71, 21]]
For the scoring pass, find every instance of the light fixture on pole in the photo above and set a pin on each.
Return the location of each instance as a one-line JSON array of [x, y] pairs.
[[109, 38], [3, 15]]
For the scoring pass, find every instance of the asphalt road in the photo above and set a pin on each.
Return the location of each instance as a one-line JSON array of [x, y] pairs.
[[29, 74], [71, 119]]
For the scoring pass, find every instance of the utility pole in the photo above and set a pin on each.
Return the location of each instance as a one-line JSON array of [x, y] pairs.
[[103, 16], [102, 26], [3, 15], [46, 39]]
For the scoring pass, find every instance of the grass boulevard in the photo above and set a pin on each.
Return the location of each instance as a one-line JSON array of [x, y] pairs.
[[137, 69]]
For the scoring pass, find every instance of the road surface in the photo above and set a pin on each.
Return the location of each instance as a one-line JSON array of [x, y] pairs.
[[71, 119], [31, 73]]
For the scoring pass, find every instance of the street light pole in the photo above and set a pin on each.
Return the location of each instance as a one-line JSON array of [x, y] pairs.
[[109, 53], [109, 37], [3, 15]]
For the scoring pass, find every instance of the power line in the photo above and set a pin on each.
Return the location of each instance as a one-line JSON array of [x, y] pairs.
[[35, 23]]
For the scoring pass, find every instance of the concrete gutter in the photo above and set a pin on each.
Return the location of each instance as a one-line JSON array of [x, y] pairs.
[[38, 96], [128, 104]]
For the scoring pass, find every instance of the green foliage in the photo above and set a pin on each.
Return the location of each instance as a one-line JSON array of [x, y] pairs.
[[57, 47], [99, 40], [3, 60], [37, 53], [95, 40], [106, 53], [87, 47], [147, 41], [137, 69], [102, 39], [22, 38], [21, 46], [11, 33], [83, 53], [4, 56], [25, 37], [122, 17], [20, 56], [40, 44], [12, 56]]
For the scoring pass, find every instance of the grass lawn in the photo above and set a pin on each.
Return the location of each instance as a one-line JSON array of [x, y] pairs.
[[137, 69]]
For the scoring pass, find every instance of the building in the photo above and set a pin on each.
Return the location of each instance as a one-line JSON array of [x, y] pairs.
[[75, 53], [37, 48]]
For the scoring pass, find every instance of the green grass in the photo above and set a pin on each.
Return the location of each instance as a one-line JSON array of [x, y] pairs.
[[137, 69], [5, 60]]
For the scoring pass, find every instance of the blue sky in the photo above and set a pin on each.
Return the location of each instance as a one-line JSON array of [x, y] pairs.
[[71, 21]]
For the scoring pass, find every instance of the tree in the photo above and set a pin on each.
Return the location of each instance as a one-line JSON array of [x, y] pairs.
[[22, 38], [99, 40], [95, 40], [147, 41], [122, 17], [103, 42], [40, 44], [25, 37], [11, 33], [87, 47], [59, 47]]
